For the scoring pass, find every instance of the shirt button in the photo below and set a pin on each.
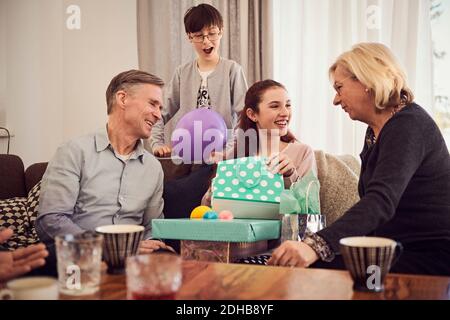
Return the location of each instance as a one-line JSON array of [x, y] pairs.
[[121, 198]]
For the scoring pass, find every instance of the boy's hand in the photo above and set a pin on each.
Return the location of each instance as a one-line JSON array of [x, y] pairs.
[[163, 151], [215, 157]]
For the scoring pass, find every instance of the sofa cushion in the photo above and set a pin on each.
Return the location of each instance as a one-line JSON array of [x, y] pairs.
[[12, 181], [32, 209], [338, 177], [34, 174]]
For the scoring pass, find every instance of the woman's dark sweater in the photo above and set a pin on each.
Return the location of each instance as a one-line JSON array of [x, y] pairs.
[[404, 184]]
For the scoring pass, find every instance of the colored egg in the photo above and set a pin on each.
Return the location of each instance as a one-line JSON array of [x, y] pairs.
[[226, 215], [199, 211], [210, 215]]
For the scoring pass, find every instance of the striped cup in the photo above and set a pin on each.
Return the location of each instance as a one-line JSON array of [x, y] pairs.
[[369, 259], [120, 242]]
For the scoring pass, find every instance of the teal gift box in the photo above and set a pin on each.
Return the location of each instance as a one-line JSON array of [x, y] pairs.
[[246, 187], [218, 240], [236, 230]]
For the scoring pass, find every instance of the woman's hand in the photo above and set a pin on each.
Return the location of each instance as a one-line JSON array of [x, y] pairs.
[[293, 254], [282, 164]]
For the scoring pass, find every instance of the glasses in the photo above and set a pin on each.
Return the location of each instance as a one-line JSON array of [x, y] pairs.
[[212, 36], [338, 85]]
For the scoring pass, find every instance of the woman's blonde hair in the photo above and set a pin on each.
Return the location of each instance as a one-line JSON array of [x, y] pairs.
[[375, 66]]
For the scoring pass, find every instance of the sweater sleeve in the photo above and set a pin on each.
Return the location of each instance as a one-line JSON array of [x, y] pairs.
[[304, 162], [401, 150], [238, 86], [171, 107]]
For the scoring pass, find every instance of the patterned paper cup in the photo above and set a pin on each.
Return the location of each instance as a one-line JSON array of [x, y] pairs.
[[120, 242], [369, 259]]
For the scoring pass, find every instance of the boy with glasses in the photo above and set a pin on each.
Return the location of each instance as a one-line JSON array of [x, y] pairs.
[[209, 81]]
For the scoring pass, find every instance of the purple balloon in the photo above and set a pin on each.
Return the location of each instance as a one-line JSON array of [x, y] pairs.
[[197, 134]]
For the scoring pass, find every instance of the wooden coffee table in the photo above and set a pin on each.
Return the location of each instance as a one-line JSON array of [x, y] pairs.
[[208, 280]]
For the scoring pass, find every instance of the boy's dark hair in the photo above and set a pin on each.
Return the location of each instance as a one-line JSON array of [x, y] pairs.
[[204, 15]]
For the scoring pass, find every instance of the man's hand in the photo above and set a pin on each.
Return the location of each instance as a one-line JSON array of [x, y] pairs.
[[5, 234], [293, 254], [163, 151], [148, 246], [20, 261]]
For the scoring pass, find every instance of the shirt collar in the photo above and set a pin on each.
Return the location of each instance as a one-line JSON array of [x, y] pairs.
[[102, 143]]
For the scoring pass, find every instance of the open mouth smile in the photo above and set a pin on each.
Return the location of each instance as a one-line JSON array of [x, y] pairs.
[[282, 123], [150, 124], [208, 50]]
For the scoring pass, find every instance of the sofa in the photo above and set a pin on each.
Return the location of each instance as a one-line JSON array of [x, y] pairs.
[[184, 186]]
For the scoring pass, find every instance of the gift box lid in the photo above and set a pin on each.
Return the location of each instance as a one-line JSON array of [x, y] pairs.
[[236, 230], [247, 179]]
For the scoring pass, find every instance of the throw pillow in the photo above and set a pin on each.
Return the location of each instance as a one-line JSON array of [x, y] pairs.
[[13, 215], [32, 211], [19, 214]]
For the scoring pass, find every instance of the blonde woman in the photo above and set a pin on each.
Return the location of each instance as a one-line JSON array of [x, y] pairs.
[[404, 184]]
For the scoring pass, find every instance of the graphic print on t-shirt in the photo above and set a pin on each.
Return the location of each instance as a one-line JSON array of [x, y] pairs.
[[203, 100]]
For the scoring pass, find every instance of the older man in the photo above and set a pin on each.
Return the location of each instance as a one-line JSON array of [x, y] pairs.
[[107, 177]]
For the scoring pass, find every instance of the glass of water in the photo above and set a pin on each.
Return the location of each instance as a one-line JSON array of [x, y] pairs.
[[79, 263]]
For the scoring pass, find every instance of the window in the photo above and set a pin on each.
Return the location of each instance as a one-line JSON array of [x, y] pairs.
[[440, 27]]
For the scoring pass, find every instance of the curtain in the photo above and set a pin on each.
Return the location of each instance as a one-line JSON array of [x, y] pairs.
[[310, 35]]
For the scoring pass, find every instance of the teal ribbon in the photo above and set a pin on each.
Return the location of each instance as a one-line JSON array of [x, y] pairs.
[[303, 197]]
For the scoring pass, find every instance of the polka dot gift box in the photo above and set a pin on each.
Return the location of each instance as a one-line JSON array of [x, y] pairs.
[[245, 187]]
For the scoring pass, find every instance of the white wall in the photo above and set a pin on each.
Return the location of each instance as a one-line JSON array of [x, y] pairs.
[[2, 71], [55, 77]]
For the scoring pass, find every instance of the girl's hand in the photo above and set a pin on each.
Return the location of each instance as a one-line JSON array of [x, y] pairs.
[[282, 164]]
